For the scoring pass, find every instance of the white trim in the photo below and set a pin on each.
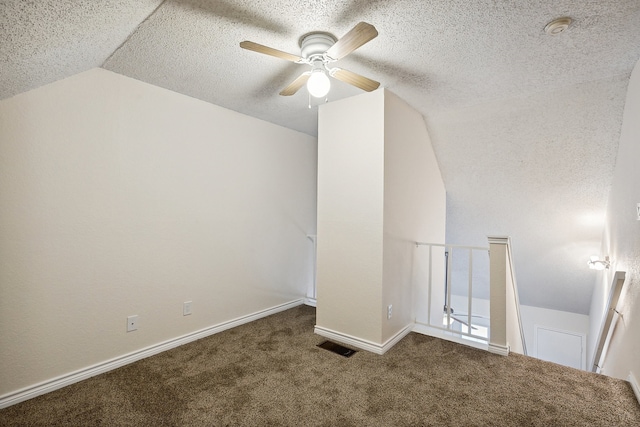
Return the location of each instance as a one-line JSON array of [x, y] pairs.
[[100, 368], [449, 336], [499, 240], [498, 349], [634, 385], [362, 343], [396, 338], [312, 302]]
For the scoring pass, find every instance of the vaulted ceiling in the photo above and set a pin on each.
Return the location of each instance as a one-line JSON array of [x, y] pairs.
[[525, 125]]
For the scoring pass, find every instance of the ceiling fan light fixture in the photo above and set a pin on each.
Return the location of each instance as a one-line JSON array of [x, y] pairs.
[[318, 49], [318, 84]]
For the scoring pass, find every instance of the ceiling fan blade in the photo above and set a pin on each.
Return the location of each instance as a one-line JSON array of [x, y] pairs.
[[354, 79], [256, 47], [356, 37], [296, 84]]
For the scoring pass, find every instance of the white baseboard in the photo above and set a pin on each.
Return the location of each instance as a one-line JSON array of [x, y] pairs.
[[397, 337], [634, 385], [362, 343], [498, 349], [449, 336], [100, 368], [310, 301]]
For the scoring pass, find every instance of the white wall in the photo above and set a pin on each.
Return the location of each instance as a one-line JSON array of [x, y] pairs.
[[553, 319], [350, 215], [414, 207], [622, 243], [121, 198]]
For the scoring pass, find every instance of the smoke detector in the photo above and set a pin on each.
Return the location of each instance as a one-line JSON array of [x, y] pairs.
[[558, 26]]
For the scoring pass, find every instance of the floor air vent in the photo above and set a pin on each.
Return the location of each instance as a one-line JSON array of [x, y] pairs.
[[337, 348]]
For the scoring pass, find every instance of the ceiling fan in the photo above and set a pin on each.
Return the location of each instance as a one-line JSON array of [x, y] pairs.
[[319, 49]]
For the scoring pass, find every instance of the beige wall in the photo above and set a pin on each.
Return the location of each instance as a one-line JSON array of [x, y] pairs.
[[505, 323], [121, 198], [622, 243], [350, 215], [414, 207], [379, 190], [499, 267]]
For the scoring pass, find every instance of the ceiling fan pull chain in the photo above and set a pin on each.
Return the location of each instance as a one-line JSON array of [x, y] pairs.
[[309, 100]]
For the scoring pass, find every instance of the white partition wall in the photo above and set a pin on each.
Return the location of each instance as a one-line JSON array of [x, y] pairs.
[[379, 191], [350, 216]]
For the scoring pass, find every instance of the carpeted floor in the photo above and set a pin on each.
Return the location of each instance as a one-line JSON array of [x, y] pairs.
[[270, 372]]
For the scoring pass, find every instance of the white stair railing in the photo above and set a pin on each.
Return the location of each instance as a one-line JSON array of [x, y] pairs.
[[608, 323], [312, 294], [452, 279]]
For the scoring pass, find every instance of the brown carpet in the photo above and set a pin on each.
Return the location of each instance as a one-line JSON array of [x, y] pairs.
[[270, 372]]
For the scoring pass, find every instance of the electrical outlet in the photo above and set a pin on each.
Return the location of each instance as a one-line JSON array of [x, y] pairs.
[[186, 308], [638, 209], [132, 323], [389, 311]]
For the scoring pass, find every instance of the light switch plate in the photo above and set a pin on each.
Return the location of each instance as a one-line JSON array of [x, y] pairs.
[[186, 308]]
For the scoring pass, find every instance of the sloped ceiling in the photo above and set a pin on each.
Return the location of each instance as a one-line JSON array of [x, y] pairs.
[[525, 125]]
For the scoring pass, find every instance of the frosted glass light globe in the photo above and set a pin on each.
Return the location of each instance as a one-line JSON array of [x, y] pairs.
[[318, 84]]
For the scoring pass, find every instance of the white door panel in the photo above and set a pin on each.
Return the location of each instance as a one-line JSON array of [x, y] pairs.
[[562, 347]]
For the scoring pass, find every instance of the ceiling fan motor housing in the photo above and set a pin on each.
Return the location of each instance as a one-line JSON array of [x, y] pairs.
[[315, 44]]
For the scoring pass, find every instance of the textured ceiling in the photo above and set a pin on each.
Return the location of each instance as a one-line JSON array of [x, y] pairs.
[[525, 125]]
